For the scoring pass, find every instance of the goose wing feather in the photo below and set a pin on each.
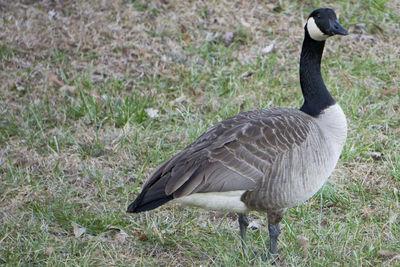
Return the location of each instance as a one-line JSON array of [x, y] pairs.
[[238, 153], [235, 154]]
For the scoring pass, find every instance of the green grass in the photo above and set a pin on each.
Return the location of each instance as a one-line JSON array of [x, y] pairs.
[[80, 155]]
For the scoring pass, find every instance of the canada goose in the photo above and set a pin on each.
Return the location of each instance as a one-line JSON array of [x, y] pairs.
[[263, 160]]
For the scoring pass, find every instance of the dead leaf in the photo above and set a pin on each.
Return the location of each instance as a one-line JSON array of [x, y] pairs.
[[268, 49], [49, 251], [391, 91], [78, 231], [96, 96], [387, 253], [178, 100], [185, 32], [63, 86], [228, 38], [67, 88], [54, 79], [303, 241], [376, 155], [153, 113], [121, 236], [19, 88], [52, 14], [346, 77], [367, 38], [212, 37], [246, 74], [254, 225], [142, 237], [361, 25], [270, 6], [245, 23]]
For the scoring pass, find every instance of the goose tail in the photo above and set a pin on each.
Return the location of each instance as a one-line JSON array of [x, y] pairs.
[[151, 197]]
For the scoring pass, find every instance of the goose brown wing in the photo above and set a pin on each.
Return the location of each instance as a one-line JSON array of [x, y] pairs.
[[242, 155], [235, 154]]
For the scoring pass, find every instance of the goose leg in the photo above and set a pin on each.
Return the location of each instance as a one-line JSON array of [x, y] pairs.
[[274, 217], [243, 223], [274, 232]]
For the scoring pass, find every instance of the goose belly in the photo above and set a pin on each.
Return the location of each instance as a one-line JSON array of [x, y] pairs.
[[220, 201]]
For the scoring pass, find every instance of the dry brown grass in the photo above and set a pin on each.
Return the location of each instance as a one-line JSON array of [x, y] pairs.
[[53, 52]]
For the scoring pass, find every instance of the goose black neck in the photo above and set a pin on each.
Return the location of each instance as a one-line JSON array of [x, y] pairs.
[[316, 96]]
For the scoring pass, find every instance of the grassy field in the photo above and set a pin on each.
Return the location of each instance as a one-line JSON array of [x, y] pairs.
[[95, 94]]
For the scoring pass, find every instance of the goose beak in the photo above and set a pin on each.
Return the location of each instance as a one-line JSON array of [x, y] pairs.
[[336, 28]]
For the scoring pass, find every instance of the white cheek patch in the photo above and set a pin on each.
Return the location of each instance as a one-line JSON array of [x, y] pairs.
[[314, 31]]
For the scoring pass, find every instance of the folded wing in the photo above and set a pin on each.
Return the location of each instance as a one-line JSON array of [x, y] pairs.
[[235, 154]]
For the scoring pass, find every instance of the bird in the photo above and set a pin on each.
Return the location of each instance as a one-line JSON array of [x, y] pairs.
[[261, 160]]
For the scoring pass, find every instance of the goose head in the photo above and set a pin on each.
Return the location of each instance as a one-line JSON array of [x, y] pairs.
[[323, 23]]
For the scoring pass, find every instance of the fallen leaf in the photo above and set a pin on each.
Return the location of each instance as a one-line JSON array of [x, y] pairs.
[[254, 225], [54, 79], [270, 6], [279, 9], [246, 74], [185, 32], [142, 237], [303, 241], [268, 49], [245, 23], [52, 14], [78, 231], [391, 91], [63, 86], [153, 113], [367, 38], [361, 25], [20, 88], [376, 155], [89, 236], [347, 79], [228, 38], [121, 236], [96, 96], [178, 100], [387, 253], [49, 251], [71, 89]]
